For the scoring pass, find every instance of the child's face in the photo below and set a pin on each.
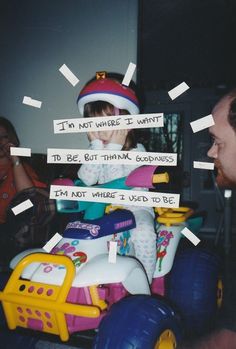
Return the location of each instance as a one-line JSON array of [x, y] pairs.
[[105, 136]]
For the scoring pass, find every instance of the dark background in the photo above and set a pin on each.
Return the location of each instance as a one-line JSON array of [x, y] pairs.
[[192, 41], [187, 40]]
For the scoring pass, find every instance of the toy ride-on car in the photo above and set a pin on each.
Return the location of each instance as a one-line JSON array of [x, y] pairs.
[[75, 287]]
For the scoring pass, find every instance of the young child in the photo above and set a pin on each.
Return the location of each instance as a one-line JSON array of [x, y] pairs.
[[104, 97]]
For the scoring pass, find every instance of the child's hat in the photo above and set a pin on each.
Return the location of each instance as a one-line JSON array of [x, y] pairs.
[[108, 90]]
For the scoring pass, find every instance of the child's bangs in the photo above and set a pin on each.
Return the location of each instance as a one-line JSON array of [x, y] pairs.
[[98, 108]]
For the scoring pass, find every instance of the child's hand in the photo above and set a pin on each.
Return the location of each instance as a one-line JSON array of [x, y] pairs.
[[119, 136], [92, 136]]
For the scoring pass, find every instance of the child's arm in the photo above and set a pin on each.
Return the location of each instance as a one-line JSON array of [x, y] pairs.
[[92, 173], [89, 173]]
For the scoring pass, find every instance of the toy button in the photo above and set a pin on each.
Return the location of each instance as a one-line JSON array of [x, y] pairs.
[[82, 255]]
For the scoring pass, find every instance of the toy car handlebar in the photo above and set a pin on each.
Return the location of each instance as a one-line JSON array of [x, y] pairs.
[[169, 216], [146, 177], [160, 178]]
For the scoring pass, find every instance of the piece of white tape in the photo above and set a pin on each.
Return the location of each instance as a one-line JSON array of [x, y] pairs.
[[203, 165], [178, 90], [69, 75], [202, 123], [32, 102], [227, 193], [129, 74], [81, 156], [102, 123], [114, 196], [189, 235], [112, 251], [23, 206], [16, 151], [52, 242]]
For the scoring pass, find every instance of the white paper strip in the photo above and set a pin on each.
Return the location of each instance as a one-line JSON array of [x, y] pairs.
[[202, 123], [112, 251], [103, 123], [69, 75], [23, 206], [81, 156], [15, 151], [227, 193], [52, 242], [114, 196], [32, 102], [178, 90], [189, 235], [203, 165], [129, 73]]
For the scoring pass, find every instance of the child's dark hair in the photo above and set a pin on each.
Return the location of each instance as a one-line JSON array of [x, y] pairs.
[[100, 108], [11, 132]]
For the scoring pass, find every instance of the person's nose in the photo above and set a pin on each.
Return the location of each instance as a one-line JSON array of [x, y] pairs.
[[212, 152]]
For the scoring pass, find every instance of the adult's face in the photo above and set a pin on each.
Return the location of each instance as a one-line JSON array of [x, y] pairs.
[[4, 140], [223, 149]]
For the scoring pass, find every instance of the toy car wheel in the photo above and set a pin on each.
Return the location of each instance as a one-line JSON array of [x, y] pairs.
[[138, 322], [10, 340], [195, 288], [220, 292], [166, 340]]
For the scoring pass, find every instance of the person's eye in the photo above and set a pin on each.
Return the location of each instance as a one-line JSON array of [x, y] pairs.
[[214, 141], [4, 137], [218, 143]]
